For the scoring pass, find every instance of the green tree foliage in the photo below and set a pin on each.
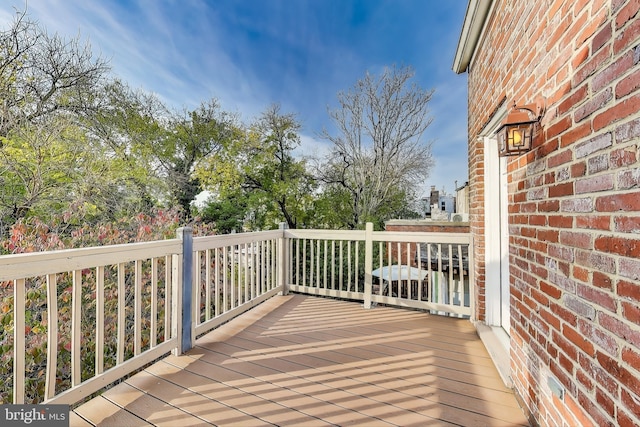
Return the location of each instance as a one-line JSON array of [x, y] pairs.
[[227, 213], [49, 165], [45, 82], [193, 136], [378, 158], [262, 166], [158, 148], [125, 126], [44, 168]]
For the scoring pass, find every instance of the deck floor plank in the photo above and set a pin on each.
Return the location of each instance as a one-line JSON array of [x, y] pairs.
[[308, 361]]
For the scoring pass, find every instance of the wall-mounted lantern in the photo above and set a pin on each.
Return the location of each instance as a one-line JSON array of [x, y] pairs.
[[515, 135]]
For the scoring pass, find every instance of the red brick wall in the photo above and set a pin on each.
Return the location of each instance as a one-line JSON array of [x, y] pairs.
[[427, 226], [574, 202]]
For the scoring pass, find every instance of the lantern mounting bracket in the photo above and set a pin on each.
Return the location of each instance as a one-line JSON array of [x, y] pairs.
[[517, 130], [536, 108]]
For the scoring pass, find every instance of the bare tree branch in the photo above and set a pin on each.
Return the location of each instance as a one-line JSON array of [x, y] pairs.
[[41, 74], [378, 149]]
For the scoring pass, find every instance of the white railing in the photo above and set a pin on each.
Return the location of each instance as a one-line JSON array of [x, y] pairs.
[[111, 310], [233, 273], [92, 297], [125, 304], [420, 270]]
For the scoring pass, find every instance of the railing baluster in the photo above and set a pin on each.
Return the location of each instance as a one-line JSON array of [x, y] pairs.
[[356, 272], [207, 285], [225, 288], [246, 272], [253, 263], [440, 298], [99, 320], [290, 254], [311, 263], [76, 328], [411, 272], [380, 264], [271, 266], [121, 314], [239, 276], [260, 278], [460, 285], [240, 279], [217, 282], [262, 265], [304, 263], [271, 259], [256, 290], [52, 335], [266, 262], [399, 262], [19, 339], [153, 336], [368, 265], [333, 264], [451, 270], [168, 294], [324, 267], [263, 261], [252, 271], [341, 270], [137, 308], [421, 279], [233, 277], [260, 269], [298, 262], [349, 266], [270, 252], [318, 264], [281, 255], [197, 285], [430, 275]]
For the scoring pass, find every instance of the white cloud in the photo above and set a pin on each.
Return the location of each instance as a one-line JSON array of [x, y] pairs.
[[313, 147]]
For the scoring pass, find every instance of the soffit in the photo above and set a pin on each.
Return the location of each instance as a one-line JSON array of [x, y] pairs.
[[472, 28]]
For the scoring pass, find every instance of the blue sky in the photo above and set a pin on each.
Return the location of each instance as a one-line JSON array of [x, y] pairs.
[[299, 53]]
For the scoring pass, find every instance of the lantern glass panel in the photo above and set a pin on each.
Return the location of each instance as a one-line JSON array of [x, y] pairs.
[[515, 139]]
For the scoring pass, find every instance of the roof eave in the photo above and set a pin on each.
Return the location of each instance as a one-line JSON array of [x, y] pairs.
[[474, 20]]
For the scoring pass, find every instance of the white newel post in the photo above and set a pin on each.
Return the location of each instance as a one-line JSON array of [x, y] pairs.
[[368, 264], [283, 261]]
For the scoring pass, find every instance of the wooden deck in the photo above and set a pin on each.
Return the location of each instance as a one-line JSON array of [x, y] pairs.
[[298, 360]]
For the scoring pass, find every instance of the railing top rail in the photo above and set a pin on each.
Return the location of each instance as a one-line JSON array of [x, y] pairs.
[[219, 241], [384, 236], [325, 234], [422, 236], [19, 266]]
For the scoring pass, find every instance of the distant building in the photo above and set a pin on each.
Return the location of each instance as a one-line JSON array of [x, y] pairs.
[[444, 203], [462, 198]]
